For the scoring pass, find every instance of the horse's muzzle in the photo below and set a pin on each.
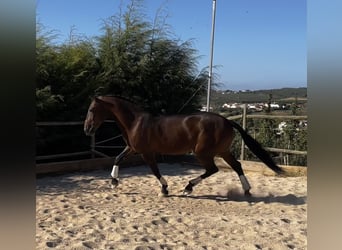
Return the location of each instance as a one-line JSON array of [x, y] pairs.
[[89, 131]]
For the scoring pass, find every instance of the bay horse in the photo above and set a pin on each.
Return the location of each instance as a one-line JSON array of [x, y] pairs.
[[205, 134]]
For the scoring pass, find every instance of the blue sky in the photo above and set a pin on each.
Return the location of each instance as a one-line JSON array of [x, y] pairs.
[[259, 44]]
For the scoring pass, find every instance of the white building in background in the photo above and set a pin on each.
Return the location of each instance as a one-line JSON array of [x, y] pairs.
[[273, 105], [204, 109], [254, 106], [232, 105]]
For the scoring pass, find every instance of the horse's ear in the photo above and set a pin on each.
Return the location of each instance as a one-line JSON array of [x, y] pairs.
[[97, 99]]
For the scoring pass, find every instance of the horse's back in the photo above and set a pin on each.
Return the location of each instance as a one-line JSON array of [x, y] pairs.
[[180, 134]]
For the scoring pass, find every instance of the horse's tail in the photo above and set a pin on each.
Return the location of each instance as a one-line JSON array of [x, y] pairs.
[[257, 149]]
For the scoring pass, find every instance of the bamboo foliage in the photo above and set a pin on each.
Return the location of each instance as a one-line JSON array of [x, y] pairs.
[[132, 56]]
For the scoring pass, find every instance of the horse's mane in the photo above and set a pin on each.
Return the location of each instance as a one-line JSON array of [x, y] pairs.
[[123, 98], [126, 99], [100, 91]]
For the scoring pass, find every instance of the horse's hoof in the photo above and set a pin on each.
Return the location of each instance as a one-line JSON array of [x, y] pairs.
[[115, 183], [247, 193], [187, 192], [164, 194], [188, 189], [164, 191]]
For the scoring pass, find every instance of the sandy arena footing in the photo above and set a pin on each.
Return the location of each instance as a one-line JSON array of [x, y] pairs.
[[81, 211]]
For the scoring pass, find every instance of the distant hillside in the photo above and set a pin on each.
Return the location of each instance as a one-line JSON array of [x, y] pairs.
[[218, 97]]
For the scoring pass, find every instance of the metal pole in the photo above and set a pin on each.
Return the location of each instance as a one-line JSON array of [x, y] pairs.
[[244, 116], [92, 146], [211, 55]]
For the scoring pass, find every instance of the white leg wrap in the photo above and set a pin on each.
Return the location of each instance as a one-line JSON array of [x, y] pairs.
[[115, 171], [163, 181], [196, 180], [244, 182]]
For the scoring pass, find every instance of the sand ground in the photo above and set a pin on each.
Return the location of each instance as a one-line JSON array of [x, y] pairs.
[[81, 211]]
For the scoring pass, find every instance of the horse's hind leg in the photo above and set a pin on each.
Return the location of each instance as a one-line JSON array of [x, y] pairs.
[[151, 161], [236, 166], [210, 169]]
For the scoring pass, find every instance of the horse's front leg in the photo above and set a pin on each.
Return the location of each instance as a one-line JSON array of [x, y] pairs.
[[115, 170], [151, 161]]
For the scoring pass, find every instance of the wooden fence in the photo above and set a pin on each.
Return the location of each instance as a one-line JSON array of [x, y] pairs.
[[94, 145], [244, 118]]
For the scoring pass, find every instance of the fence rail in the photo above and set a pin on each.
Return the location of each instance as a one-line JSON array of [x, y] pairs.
[[48, 157], [283, 117], [38, 124], [94, 144], [244, 117]]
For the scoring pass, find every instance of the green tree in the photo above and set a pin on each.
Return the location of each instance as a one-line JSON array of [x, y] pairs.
[[68, 70], [46, 102], [132, 57], [46, 56], [78, 67], [121, 49], [140, 61]]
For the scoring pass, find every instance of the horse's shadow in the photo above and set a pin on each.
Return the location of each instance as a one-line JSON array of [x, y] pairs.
[[289, 199]]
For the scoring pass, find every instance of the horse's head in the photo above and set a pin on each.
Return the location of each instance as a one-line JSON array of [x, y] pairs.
[[97, 113]]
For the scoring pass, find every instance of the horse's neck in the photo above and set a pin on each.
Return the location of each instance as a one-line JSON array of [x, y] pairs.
[[125, 113]]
